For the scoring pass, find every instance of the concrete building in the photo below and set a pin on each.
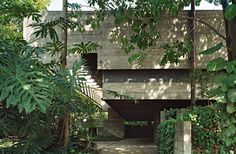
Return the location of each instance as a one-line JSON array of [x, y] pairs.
[[152, 87]]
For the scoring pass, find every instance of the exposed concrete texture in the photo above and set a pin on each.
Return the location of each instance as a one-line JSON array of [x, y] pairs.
[[129, 146], [163, 116], [183, 143], [110, 56], [114, 127]]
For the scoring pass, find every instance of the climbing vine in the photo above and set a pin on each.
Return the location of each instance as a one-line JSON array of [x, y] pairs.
[[206, 132]]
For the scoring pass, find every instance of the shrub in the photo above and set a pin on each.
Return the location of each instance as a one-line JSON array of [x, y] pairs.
[[206, 132], [165, 136]]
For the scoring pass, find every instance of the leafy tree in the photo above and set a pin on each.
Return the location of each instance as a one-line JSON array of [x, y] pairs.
[[142, 18]]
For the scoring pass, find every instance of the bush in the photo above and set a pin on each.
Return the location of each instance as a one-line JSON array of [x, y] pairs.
[[165, 135], [206, 132]]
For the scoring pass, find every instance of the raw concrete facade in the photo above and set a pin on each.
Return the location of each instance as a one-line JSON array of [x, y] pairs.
[[154, 87]]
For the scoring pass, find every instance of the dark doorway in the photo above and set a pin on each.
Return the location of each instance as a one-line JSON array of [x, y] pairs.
[[138, 129]]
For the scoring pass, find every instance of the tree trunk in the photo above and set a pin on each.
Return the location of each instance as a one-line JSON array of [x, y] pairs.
[[64, 123], [193, 53]]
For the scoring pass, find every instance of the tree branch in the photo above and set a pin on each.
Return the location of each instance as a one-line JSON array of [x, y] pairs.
[[206, 24]]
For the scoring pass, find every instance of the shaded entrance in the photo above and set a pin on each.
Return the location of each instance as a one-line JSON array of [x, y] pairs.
[[144, 110], [138, 131]]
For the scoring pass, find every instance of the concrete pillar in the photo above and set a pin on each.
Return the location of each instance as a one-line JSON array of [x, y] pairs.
[[183, 143], [163, 116]]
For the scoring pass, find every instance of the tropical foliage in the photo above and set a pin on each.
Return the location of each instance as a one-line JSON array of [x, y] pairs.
[[205, 127], [35, 95]]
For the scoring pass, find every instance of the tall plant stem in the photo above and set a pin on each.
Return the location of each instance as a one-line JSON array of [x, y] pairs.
[[192, 54], [64, 122]]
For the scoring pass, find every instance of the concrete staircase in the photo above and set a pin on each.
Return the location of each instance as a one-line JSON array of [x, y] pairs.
[[90, 86]]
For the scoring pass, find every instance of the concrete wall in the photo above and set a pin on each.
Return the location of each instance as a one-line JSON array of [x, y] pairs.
[[111, 57], [148, 84], [183, 143], [114, 127], [171, 29]]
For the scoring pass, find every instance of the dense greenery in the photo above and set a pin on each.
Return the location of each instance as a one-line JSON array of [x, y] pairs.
[[35, 95], [206, 132], [165, 135]]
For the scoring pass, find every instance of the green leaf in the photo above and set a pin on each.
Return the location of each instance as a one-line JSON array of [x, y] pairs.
[[230, 68], [28, 86], [134, 57], [231, 80], [212, 49], [231, 95], [216, 64], [224, 88], [230, 12], [12, 100], [215, 92], [221, 77], [4, 94], [231, 108]]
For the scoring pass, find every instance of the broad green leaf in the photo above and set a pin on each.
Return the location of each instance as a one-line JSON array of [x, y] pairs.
[[224, 88], [4, 94], [12, 100], [231, 80], [42, 107], [212, 49], [134, 57], [231, 95], [221, 77], [216, 64], [231, 108], [24, 86], [230, 68], [230, 12]]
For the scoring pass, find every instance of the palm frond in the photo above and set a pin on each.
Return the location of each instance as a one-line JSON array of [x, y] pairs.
[[83, 48]]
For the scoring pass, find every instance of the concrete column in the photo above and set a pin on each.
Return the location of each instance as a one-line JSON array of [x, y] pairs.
[[183, 143], [163, 116]]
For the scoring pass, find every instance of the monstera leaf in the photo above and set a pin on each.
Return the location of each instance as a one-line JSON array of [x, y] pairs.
[[24, 84]]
